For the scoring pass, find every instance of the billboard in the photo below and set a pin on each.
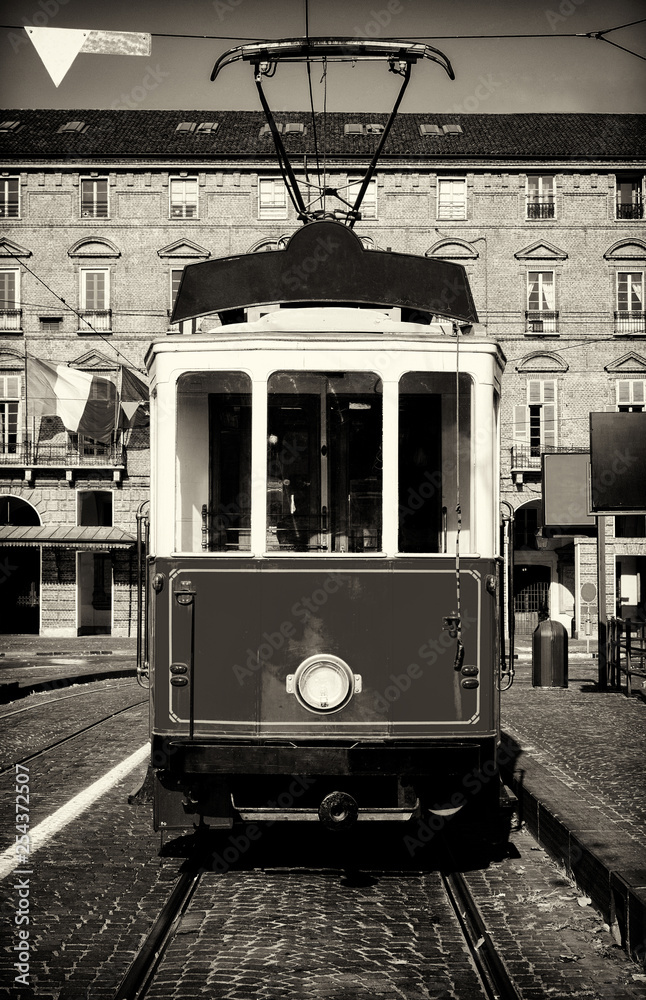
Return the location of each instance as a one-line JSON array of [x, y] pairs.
[[566, 494], [618, 462]]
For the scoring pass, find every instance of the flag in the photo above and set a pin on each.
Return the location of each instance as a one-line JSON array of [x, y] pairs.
[[134, 403], [85, 402], [59, 47]]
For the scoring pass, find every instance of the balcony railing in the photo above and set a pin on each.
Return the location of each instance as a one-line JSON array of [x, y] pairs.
[[58, 456], [630, 210], [541, 321], [527, 458], [540, 210], [630, 321], [98, 319], [10, 319]]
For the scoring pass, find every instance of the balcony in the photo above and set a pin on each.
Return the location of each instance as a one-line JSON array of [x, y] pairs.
[[541, 321], [526, 458], [540, 210], [630, 210], [630, 321], [60, 456], [10, 320], [98, 319]]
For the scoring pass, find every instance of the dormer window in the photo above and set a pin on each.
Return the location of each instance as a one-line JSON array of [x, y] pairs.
[[186, 127], [73, 127], [207, 128]]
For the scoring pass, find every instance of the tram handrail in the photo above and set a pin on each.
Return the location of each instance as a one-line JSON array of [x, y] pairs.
[[143, 670]]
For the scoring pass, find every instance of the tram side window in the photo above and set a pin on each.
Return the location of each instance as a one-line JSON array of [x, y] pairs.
[[214, 462], [427, 461], [324, 466]]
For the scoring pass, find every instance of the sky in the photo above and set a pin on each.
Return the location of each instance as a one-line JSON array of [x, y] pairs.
[[493, 75]]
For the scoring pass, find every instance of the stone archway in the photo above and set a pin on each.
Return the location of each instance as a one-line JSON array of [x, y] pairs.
[[19, 572]]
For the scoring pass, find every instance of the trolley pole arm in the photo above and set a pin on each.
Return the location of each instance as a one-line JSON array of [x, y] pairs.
[[384, 135], [283, 159]]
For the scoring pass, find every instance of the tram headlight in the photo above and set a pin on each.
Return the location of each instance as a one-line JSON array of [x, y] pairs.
[[323, 683]]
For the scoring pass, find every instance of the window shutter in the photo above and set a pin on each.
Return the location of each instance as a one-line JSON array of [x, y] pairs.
[[638, 391], [549, 425], [521, 424], [549, 391], [623, 391], [534, 394]]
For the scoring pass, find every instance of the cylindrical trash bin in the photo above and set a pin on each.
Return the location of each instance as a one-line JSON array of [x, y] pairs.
[[549, 655]]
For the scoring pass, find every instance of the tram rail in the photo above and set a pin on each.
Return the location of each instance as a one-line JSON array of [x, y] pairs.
[[71, 736], [495, 981]]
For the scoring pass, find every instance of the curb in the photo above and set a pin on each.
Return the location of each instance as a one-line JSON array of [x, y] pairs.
[[606, 864], [21, 689]]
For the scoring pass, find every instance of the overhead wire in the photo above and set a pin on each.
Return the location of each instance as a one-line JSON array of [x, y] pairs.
[[75, 311]]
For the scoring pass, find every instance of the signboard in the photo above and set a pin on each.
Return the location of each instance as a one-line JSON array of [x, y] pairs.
[[618, 462], [566, 501]]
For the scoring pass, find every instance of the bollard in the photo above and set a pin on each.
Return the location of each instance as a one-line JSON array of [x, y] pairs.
[[549, 655]]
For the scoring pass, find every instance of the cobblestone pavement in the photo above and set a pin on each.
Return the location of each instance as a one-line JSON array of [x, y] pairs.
[[297, 933], [30, 724], [595, 741], [300, 914]]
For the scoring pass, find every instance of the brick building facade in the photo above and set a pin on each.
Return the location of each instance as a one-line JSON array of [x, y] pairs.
[[103, 209]]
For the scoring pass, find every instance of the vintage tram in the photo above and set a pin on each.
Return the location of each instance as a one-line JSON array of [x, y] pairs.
[[324, 580]]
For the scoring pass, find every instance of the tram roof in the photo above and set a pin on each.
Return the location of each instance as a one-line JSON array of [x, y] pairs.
[[325, 263]]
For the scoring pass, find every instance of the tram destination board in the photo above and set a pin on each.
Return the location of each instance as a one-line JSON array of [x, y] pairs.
[[618, 462]]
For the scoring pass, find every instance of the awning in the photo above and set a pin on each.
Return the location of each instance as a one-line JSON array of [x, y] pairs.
[[65, 536]]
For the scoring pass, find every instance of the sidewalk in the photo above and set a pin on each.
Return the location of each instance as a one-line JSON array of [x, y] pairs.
[[31, 663], [577, 764]]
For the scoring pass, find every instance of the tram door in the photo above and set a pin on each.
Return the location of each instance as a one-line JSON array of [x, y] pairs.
[[324, 466]]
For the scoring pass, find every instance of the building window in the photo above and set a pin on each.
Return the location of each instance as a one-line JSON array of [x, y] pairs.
[[631, 395], [541, 315], [94, 509], [95, 300], [629, 315], [630, 203], [451, 198], [535, 428], [94, 197], [540, 196], [9, 413], [9, 197], [630, 526], [188, 325], [51, 324], [183, 197], [272, 198], [10, 311], [368, 207]]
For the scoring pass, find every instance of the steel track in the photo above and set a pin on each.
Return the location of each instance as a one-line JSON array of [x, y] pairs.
[[66, 697], [140, 974], [72, 736], [494, 978]]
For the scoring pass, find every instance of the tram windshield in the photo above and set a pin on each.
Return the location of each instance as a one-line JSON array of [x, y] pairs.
[[322, 488], [324, 462]]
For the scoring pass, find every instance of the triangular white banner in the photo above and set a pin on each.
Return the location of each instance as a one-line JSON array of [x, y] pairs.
[[58, 48]]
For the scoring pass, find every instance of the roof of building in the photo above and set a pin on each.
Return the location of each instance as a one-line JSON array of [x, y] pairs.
[[137, 133]]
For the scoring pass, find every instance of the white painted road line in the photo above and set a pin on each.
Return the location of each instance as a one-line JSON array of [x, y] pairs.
[[39, 835]]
